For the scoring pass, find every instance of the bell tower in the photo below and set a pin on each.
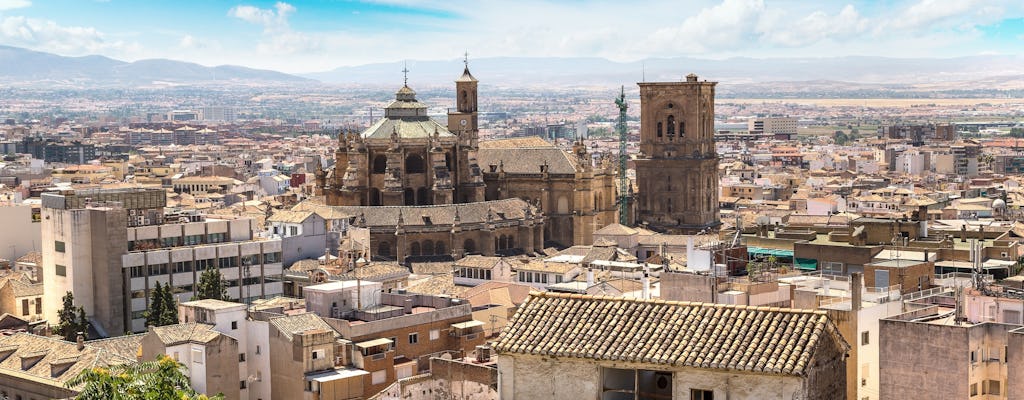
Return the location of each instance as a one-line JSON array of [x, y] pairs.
[[462, 121], [677, 170]]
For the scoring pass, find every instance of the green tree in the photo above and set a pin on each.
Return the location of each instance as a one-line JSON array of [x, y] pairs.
[[840, 138], [155, 313], [211, 285], [161, 379], [170, 316], [71, 319]]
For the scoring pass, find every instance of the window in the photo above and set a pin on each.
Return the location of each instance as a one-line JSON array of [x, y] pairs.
[[192, 240], [24, 306], [177, 356], [636, 384], [864, 336], [241, 357], [197, 356], [319, 354], [234, 325], [702, 394], [61, 270], [974, 357], [241, 384], [39, 308], [293, 231], [58, 246], [414, 338], [137, 272], [974, 389], [257, 349], [169, 241], [434, 334], [215, 238]]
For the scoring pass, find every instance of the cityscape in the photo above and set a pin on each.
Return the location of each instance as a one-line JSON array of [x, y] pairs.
[[729, 199]]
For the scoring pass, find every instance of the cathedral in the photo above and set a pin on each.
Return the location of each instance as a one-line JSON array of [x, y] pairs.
[[408, 167]]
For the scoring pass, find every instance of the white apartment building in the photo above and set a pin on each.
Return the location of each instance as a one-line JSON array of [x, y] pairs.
[[96, 248], [773, 125]]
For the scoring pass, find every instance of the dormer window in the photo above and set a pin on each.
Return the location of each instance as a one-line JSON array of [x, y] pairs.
[[543, 169]]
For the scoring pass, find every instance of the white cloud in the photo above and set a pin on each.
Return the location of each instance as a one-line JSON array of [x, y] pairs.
[[814, 27], [14, 4], [728, 24], [278, 37], [49, 36]]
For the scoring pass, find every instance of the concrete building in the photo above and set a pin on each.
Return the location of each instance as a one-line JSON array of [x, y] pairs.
[[109, 254], [305, 234], [575, 346], [780, 127], [21, 231]]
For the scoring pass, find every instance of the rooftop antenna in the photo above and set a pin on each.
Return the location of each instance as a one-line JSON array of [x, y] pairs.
[[465, 59]]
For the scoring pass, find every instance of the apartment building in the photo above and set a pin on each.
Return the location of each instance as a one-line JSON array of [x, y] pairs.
[[110, 253]]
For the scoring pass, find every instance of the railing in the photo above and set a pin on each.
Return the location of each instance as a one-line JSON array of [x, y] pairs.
[[924, 293]]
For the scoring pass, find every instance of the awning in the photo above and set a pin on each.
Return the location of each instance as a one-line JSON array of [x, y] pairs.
[[761, 251], [806, 264], [373, 343], [467, 324]]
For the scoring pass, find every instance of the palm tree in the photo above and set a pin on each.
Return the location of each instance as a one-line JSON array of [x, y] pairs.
[[160, 379]]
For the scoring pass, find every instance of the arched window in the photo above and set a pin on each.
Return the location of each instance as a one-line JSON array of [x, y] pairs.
[[659, 129], [423, 197], [414, 164], [375, 198], [439, 248], [428, 247], [465, 102], [410, 197], [384, 249], [469, 246], [380, 164], [671, 125], [414, 249], [682, 128]]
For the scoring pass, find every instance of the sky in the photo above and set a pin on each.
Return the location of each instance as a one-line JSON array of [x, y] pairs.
[[299, 36]]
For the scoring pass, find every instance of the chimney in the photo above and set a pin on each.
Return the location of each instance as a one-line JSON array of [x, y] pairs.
[[590, 277], [646, 282], [856, 286], [407, 305], [80, 339]]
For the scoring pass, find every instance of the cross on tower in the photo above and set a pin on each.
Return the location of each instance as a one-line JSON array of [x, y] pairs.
[[465, 59], [405, 74]]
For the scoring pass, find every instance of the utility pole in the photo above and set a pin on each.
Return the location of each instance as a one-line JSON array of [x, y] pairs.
[[623, 157]]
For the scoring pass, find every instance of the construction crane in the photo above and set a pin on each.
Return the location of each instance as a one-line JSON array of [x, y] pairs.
[[623, 157]]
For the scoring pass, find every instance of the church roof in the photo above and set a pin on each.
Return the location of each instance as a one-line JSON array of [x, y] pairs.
[[436, 215], [407, 118], [406, 127], [519, 157], [466, 76]]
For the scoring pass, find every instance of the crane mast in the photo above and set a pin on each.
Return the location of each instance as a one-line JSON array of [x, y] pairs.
[[623, 157]]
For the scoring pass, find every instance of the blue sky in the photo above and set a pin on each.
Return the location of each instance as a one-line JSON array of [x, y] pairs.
[[317, 35]]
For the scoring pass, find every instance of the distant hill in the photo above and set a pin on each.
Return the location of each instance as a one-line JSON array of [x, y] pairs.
[[527, 72], [18, 65]]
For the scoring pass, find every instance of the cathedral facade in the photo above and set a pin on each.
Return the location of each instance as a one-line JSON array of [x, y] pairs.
[[677, 169], [406, 159]]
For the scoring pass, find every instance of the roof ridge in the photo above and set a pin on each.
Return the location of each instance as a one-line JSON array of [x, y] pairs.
[[578, 296]]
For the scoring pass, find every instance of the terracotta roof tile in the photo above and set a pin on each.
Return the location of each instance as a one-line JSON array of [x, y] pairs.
[[713, 336]]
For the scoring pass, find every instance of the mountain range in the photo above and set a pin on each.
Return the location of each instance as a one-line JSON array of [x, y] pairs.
[[737, 75], [23, 66]]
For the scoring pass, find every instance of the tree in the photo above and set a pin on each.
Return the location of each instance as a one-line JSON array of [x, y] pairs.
[[161, 379], [155, 313], [840, 138], [211, 285], [71, 319], [170, 306]]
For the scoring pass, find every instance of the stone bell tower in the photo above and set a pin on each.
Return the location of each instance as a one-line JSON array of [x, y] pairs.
[[462, 121], [677, 170]]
